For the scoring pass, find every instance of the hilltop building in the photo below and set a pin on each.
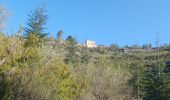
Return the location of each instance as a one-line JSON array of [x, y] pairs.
[[90, 44]]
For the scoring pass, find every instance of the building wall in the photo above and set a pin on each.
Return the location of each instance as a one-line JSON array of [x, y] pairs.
[[90, 44]]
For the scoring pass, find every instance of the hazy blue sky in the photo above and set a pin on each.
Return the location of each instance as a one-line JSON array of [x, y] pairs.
[[105, 21]]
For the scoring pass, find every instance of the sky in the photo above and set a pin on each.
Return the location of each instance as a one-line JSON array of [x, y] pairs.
[[124, 22]]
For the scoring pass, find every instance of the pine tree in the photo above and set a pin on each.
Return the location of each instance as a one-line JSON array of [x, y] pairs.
[[167, 78], [85, 55], [134, 81], [59, 37], [71, 56], [154, 84], [167, 68], [4, 14], [37, 20]]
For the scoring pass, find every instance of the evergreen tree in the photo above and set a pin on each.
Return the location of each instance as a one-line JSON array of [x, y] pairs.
[[167, 68], [37, 20], [4, 14], [71, 41], [71, 56], [85, 55], [134, 81], [147, 46], [59, 37], [154, 84], [114, 47], [167, 78]]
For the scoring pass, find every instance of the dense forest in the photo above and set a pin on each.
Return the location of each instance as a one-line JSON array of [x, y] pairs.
[[35, 66]]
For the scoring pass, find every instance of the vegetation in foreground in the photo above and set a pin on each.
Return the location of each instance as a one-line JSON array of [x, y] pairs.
[[34, 66]]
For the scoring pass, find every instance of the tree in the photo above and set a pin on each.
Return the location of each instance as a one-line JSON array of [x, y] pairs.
[[154, 84], [135, 46], [167, 68], [101, 50], [147, 46], [4, 14], [114, 47], [59, 37], [85, 55], [52, 81], [71, 41], [72, 55], [107, 83], [37, 20], [134, 81], [11, 49]]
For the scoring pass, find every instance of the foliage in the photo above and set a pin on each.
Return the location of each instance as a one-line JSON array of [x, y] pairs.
[[59, 36], [4, 14], [136, 73], [85, 55], [107, 83], [43, 68], [32, 72], [114, 47], [72, 55], [11, 50], [37, 20], [153, 84], [147, 46]]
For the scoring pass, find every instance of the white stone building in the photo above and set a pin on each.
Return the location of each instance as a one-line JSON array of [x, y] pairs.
[[90, 44]]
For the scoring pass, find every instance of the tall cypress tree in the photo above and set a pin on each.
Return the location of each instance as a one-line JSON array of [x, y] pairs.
[[37, 20]]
